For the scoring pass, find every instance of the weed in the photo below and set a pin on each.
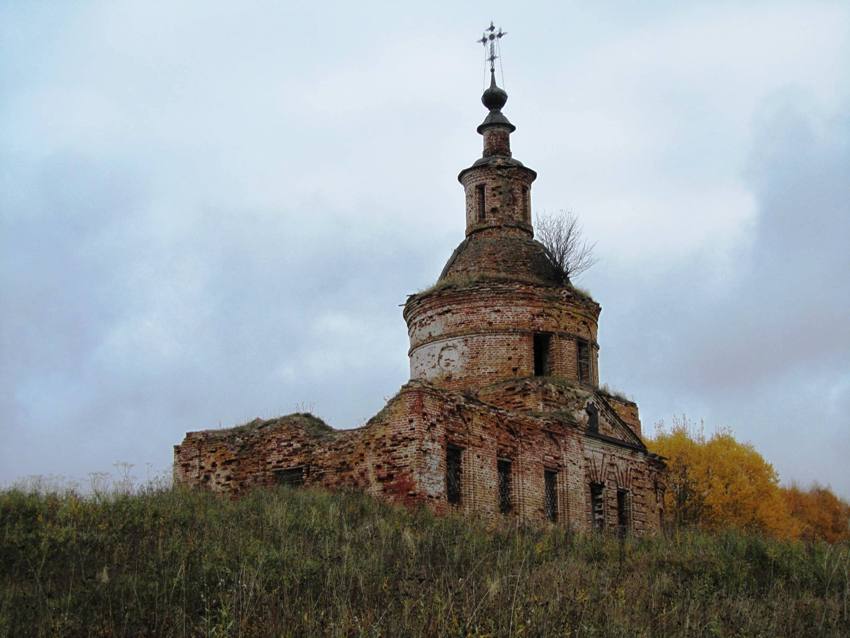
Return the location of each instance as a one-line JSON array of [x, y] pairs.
[[171, 562]]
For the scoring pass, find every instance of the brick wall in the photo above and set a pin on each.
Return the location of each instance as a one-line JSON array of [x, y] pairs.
[[400, 455], [506, 190], [484, 333], [627, 411]]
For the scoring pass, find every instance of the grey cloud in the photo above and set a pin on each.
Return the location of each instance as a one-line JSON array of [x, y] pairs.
[[768, 351], [124, 336], [195, 233]]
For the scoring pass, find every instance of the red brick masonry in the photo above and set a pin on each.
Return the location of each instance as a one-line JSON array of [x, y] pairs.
[[400, 454]]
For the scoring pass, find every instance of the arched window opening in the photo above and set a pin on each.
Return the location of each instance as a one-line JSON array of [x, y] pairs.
[[624, 512], [453, 474], [542, 342], [526, 216], [290, 477], [597, 506], [583, 361], [503, 467], [550, 481], [480, 203]]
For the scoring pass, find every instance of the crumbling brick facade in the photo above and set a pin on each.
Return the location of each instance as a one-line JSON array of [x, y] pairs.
[[502, 417]]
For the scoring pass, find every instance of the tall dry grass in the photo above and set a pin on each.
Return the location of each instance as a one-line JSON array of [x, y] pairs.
[[168, 562]]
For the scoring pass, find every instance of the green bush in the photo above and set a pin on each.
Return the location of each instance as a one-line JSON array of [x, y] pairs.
[[166, 562]]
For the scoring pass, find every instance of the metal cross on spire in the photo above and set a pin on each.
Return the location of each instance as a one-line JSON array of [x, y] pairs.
[[491, 37]]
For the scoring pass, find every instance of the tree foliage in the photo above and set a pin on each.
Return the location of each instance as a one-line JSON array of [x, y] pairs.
[[819, 513], [717, 482]]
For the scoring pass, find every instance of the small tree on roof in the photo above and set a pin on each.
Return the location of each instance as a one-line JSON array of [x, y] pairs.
[[561, 236]]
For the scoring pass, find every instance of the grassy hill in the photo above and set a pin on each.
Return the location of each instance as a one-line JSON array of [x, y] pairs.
[[304, 563]]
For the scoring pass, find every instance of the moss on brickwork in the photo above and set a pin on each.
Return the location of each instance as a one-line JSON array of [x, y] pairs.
[[459, 282], [518, 256], [311, 424], [612, 393]]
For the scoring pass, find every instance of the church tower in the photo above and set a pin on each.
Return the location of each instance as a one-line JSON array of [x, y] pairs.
[[502, 416], [501, 310]]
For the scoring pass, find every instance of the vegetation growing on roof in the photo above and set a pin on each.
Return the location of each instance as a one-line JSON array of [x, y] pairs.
[[311, 423], [608, 391], [384, 411], [566, 248], [457, 282]]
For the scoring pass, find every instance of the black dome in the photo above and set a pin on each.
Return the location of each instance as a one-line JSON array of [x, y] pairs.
[[494, 97]]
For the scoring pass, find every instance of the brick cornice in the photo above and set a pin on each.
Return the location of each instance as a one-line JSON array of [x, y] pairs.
[[496, 331]]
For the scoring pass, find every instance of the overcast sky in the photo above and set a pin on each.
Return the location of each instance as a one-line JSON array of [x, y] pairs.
[[211, 211]]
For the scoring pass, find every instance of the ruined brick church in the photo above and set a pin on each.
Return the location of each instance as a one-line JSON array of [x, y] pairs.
[[503, 415]]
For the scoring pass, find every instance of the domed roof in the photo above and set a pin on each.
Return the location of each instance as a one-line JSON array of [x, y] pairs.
[[502, 256], [495, 97]]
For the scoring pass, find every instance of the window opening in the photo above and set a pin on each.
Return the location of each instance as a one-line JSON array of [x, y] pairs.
[[504, 469], [525, 215], [541, 354], [624, 513], [592, 417], [597, 506], [453, 473], [550, 480], [290, 477], [479, 197], [583, 353]]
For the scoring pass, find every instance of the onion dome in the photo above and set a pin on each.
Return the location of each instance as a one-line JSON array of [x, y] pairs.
[[494, 98]]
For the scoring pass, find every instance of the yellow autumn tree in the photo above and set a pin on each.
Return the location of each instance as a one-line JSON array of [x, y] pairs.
[[717, 482], [820, 514]]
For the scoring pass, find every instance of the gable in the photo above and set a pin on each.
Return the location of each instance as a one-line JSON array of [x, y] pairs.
[[608, 424]]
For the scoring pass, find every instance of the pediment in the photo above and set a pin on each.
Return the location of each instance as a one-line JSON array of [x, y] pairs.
[[600, 419]]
